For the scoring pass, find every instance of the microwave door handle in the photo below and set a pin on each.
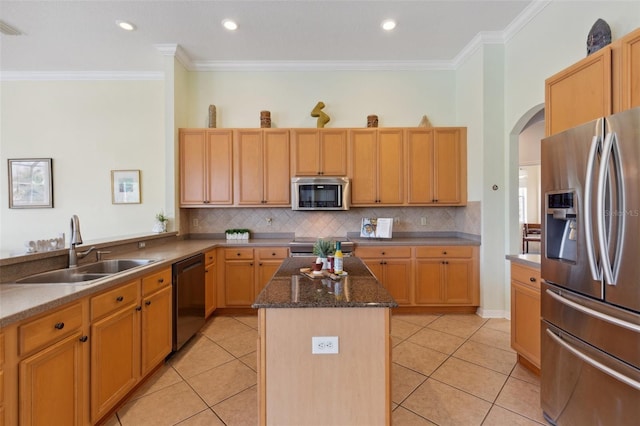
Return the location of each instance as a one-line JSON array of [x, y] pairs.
[[596, 270]]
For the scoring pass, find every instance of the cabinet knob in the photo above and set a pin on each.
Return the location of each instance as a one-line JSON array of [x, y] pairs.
[[273, 254], [119, 299], [161, 280], [138, 308], [532, 279], [84, 338], [444, 252], [237, 254], [260, 264], [148, 302], [59, 326], [383, 253]]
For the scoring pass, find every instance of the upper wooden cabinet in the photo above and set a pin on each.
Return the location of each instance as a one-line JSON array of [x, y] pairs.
[[261, 167], [603, 83], [376, 167], [319, 152], [436, 166], [206, 167]]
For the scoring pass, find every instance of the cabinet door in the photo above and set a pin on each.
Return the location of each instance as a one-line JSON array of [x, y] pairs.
[[249, 171], [375, 266], [429, 281], [580, 93], [630, 67], [333, 152], [458, 284], [115, 359], [390, 166], [157, 324], [239, 278], [449, 166], [193, 170], [277, 182], [51, 384], [420, 162], [525, 325], [397, 279], [364, 172], [219, 166], [306, 152], [210, 275], [264, 273]]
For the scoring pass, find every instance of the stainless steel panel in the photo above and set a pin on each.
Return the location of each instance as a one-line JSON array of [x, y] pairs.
[[611, 329], [565, 158], [625, 291], [586, 386]]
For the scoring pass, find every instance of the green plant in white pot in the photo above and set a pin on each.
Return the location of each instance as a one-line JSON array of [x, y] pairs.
[[323, 249], [237, 234], [161, 222]]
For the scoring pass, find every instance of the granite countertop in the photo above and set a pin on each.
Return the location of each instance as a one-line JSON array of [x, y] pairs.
[[531, 260], [290, 289], [417, 239]]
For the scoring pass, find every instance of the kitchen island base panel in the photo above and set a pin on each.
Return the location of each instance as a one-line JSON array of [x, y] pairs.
[[298, 387]]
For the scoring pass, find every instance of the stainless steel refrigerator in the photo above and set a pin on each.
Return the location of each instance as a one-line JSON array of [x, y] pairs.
[[590, 340]]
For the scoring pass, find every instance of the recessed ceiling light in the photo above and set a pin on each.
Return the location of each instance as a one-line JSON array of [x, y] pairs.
[[128, 26], [388, 24], [230, 25]]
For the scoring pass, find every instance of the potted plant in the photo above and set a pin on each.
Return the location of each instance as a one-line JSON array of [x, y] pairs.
[[161, 222], [237, 234], [323, 249]]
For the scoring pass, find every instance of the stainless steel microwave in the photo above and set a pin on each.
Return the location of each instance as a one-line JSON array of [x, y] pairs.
[[320, 193]]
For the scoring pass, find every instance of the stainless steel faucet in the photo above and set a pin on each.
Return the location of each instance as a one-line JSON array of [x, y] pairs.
[[76, 238]]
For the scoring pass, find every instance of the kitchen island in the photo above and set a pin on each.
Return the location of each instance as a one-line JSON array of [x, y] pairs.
[[296, 386]]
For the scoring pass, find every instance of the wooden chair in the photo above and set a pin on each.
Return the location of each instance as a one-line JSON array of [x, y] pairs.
[[531, 232]]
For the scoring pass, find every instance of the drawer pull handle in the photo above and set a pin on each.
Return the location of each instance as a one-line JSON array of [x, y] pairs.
[[138, 308], [148, 302], [383, 253], [444, 252], [532, 279], [161, 280], [119, 299], [84, 339], [59, 326], [237, 254]]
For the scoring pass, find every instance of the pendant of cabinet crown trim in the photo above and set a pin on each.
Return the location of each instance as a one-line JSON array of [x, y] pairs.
[[436, 166], [261, 167], [206, 159], [376, 167]]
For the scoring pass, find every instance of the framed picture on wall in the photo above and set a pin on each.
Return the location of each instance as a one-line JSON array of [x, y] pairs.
[[125, 186], [30, 183]]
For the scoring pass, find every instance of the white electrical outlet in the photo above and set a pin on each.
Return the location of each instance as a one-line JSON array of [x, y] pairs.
[[324, 345], [423, 221], [396, 220], [195, 223], [141, 244]]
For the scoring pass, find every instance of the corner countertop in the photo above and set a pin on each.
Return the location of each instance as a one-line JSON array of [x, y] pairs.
[[530, 260], [291, 289]]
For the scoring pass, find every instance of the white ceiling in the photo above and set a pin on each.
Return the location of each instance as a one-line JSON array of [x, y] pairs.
[[81, 35]]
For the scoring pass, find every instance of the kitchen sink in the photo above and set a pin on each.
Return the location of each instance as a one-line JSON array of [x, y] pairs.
[[85, 273]]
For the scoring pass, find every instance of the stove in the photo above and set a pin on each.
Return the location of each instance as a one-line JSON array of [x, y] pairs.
[[303, 246]]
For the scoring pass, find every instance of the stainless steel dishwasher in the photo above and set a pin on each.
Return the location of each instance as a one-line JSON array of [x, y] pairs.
[[188, 299]]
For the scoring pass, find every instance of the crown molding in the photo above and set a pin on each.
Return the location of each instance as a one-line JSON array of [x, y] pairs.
[[320, 65], [524, 18], [175, 50], [80, 75]]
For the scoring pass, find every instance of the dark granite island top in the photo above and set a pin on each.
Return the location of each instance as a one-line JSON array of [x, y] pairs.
[[289, 288]]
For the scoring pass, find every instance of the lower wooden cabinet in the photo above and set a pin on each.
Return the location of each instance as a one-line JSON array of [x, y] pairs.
[[392, 267], [210, 279], [525, 313], [52, 372], [246, 271], [447, 275], [157, 324]]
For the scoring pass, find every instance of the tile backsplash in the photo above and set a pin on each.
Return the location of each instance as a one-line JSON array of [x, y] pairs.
[[325, 223]]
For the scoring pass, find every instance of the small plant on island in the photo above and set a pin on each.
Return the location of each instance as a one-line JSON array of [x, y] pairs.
[[323, 248]]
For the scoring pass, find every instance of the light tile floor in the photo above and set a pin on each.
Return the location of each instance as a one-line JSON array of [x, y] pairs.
[[447, 370]]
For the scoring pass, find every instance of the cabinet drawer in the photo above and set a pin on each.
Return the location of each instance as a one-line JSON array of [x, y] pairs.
[[114, 299], [273, 253], [386, 251], [526, 275], [243, 253], [209, 257], [156, 281], [445, 251], [50, 328]]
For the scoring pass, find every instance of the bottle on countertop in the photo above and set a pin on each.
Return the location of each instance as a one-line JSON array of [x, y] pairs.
[[338, 259]]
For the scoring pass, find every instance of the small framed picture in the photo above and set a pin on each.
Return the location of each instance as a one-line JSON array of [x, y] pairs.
[[30, 183], [125, 186]]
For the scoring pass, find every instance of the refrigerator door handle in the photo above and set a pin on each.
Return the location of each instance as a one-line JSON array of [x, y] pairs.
[[596, 270], [592, 312], [610, 150], [592, 362]]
